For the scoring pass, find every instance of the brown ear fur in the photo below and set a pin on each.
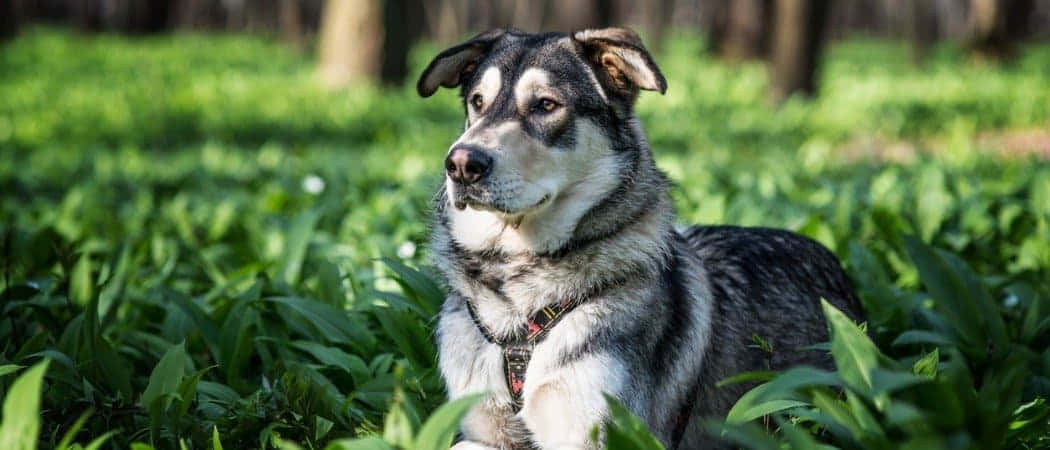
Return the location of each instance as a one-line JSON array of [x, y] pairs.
[[452, 65], [618, 53]]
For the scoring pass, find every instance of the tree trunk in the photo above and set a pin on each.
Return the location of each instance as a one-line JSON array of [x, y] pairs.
[[798, 38], [403, 25], [745, 29], [572, 15], [351, 41], [10, 19], [997, 25], [291, 23]]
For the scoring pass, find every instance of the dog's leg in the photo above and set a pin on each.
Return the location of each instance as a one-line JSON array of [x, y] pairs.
[[563, 409]]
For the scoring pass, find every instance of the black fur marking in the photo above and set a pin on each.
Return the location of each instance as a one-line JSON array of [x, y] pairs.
[[671, 340]]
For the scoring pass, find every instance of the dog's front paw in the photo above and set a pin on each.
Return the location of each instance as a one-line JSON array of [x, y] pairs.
[[467, 445]]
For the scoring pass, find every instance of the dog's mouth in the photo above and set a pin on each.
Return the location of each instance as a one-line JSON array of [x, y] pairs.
[[464, 198]]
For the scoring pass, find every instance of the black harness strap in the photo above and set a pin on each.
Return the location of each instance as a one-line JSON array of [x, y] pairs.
[[518, 351]]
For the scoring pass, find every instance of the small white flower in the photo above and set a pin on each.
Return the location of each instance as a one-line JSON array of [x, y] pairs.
[[1011, 301], [406, 250], [313, 184]]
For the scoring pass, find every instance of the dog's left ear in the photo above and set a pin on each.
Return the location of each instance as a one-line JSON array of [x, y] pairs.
[[620, 60]]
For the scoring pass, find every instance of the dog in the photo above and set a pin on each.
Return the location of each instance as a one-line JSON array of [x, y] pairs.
[[567, 278]]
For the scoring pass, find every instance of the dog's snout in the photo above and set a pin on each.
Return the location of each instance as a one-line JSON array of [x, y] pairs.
[[466, 165]]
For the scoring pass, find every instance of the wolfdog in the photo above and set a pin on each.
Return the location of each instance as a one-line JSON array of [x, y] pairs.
[[567, 278]]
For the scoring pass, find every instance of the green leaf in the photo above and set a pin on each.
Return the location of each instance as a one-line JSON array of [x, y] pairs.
[[762, 409], [366, 443], [625, 431], [437, 432], [798, 437], [81, 287], [216, 444], [785, 386], [745, 377], [424, 290], [921, 337], [334, 324], [164, 380], [854, 354], [187, 392], [300, 232], [960, 297], [21, 419], [397, 428], [9, 368], [747, 435], [926, 366], [332, 356]]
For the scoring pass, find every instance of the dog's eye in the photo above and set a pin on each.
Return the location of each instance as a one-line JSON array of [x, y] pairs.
[[477, 102], [545, 105]]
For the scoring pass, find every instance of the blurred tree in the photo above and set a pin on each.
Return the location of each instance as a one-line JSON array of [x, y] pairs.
[[367, 40], [9, 19], [798, 36], [997, 25], [351, 41], [739, 29], [291, 22]]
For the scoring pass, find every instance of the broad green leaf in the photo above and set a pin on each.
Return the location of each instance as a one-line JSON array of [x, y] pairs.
[[913, 337], [854, 354], [888, 381], [625, 431], [334, 324], [187, 392], [426, 291], [21, 419], [81, 287], [747, 435], [758, 375], [165, 379], [367, 443], [799, 438], [397, 428], [10, 368], [762, 409], [300, 231], [784, 387], [333, 356], [959, 297], [437, 432], [933, 201], [216, 444]]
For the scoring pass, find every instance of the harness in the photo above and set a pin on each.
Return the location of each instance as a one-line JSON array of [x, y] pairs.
[[517, 351]]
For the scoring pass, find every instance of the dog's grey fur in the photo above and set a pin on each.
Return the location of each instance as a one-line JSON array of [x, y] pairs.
[[574, 207]]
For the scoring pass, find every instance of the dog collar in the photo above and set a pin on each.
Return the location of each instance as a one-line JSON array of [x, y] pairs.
[[517, 351]]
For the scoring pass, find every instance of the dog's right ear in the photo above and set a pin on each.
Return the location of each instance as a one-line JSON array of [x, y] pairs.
[[450, 67]]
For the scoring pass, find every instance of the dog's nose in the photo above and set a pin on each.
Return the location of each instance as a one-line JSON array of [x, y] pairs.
[[467, 165]]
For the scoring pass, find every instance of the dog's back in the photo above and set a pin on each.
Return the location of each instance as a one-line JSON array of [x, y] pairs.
[[766, 286]]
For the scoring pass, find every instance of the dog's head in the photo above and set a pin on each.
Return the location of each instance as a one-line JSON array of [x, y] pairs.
[[543, 114]]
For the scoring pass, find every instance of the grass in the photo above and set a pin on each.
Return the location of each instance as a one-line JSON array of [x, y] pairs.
[[204, 242]]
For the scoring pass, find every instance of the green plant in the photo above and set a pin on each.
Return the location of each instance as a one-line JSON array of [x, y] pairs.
[[203, 241]]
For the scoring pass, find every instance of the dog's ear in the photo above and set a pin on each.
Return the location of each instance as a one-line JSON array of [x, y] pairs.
[[450, 67], [620, 61]]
